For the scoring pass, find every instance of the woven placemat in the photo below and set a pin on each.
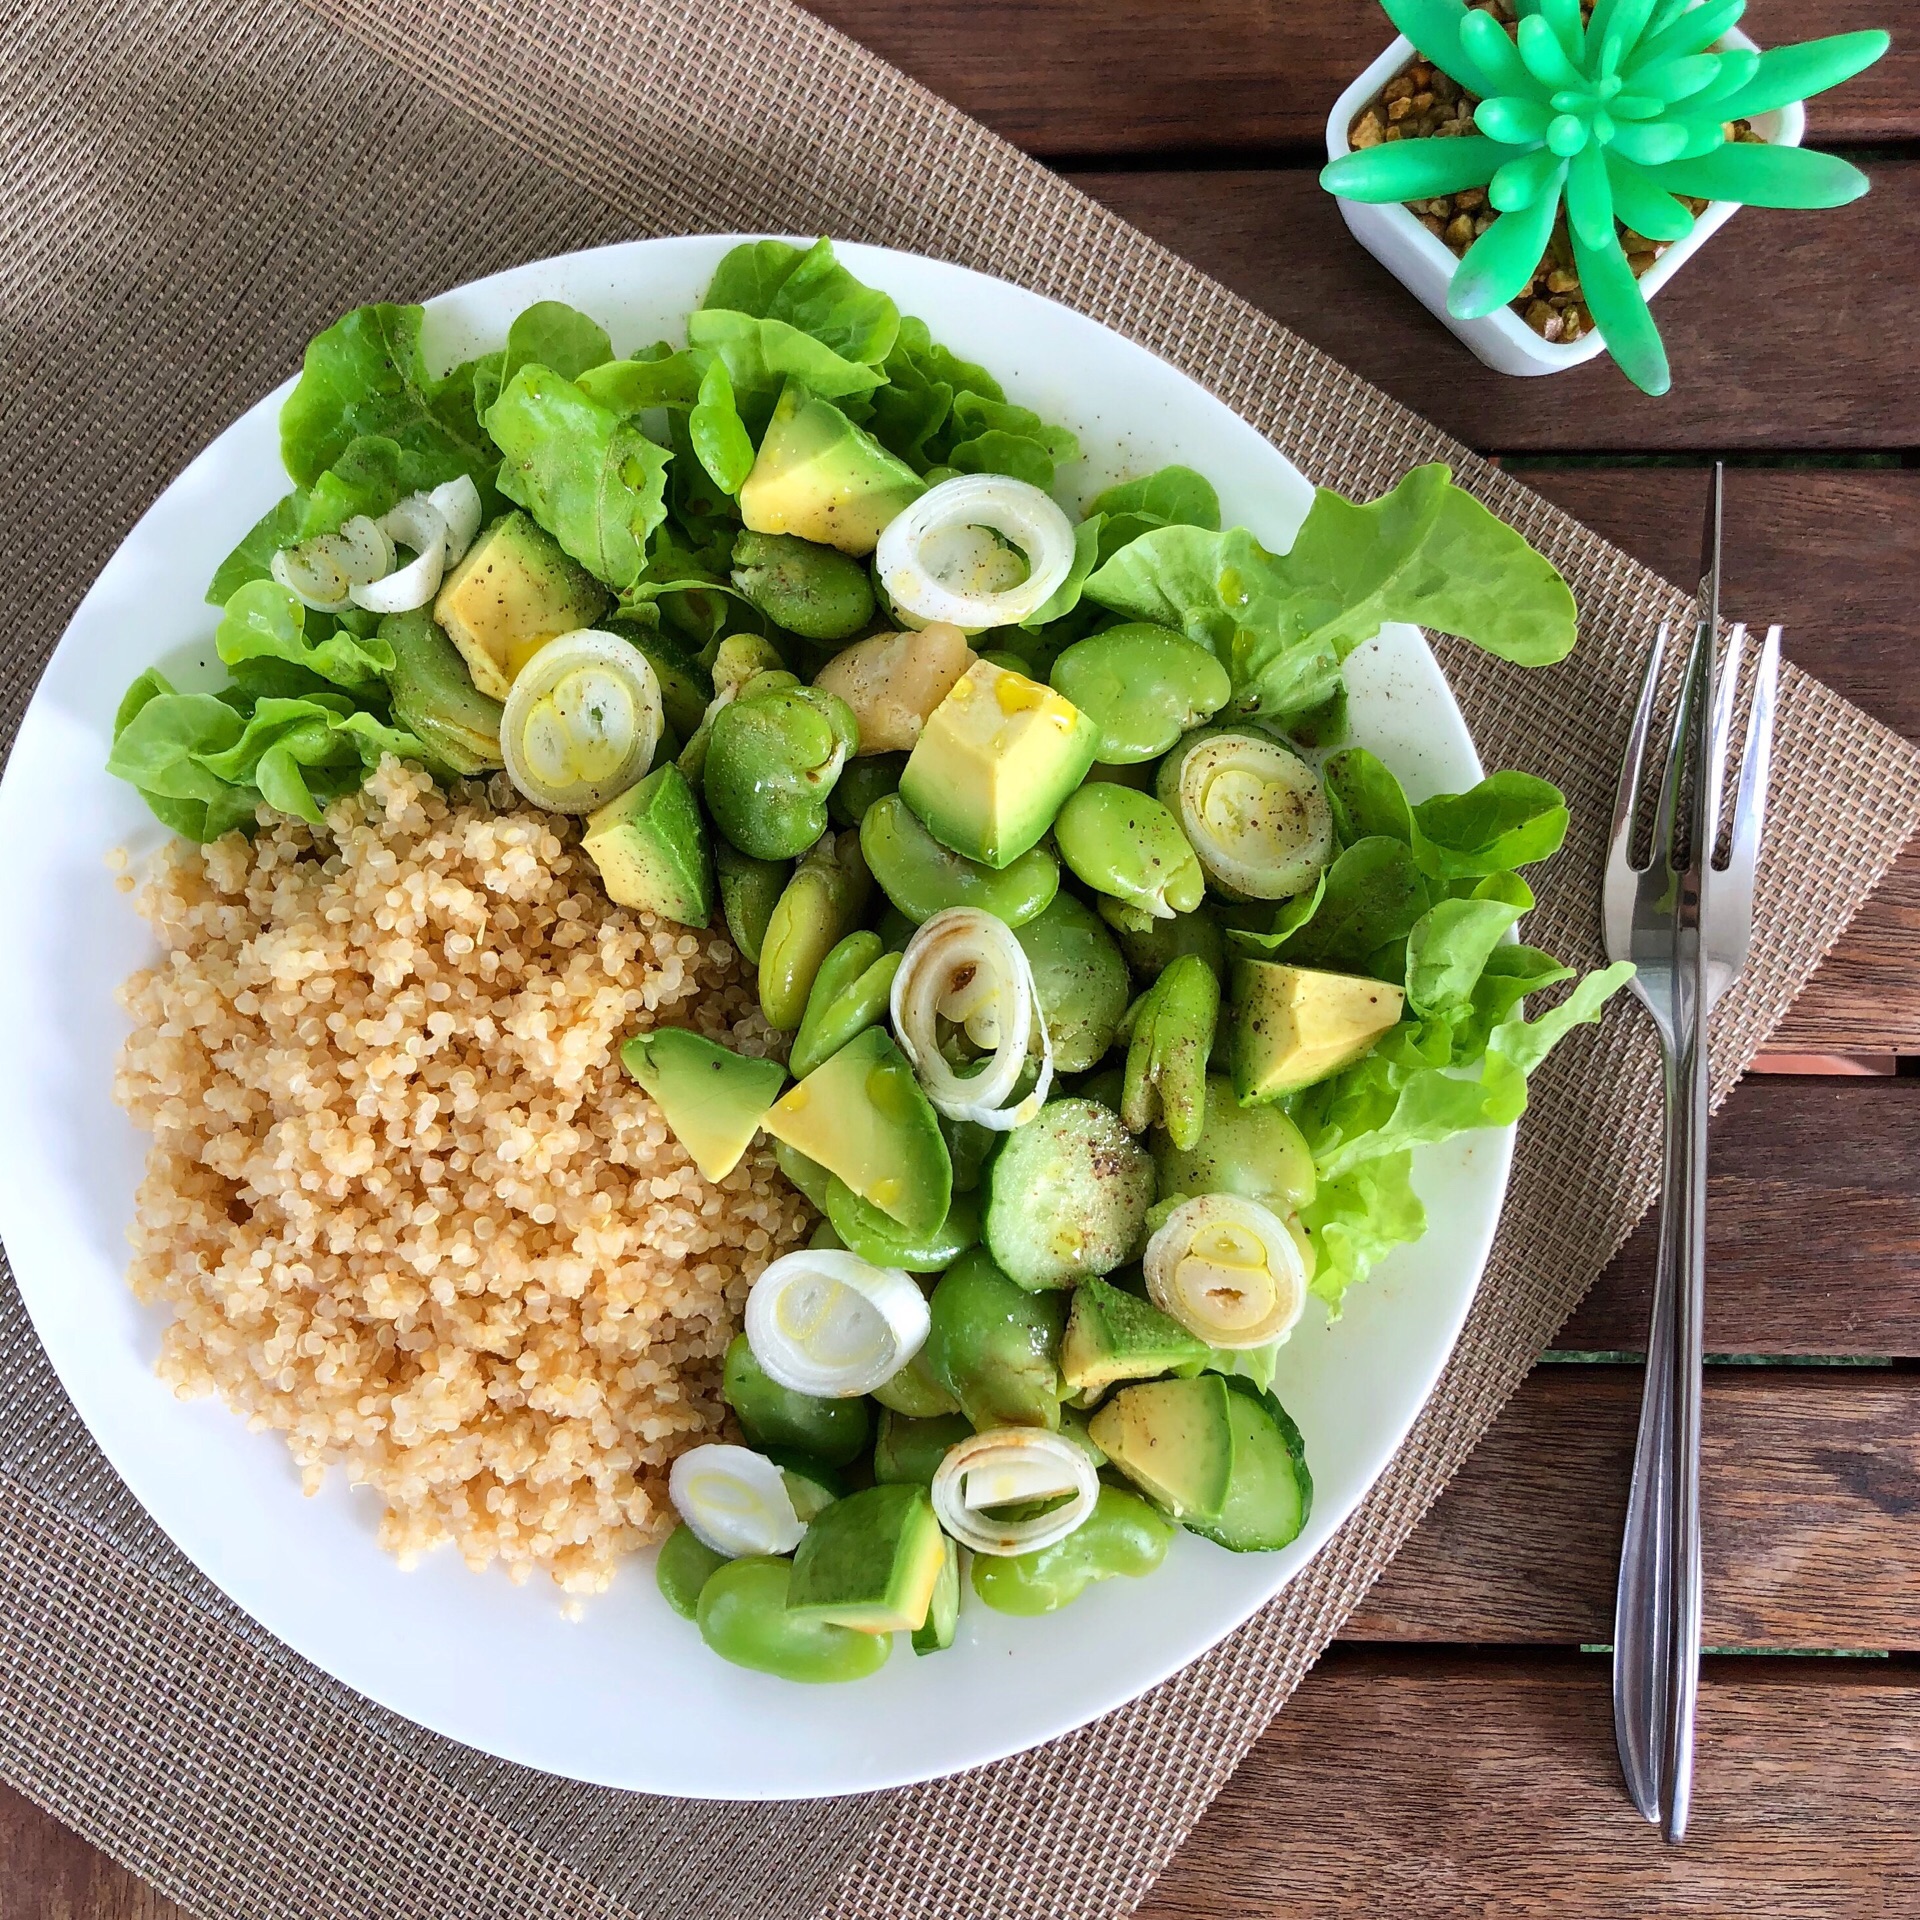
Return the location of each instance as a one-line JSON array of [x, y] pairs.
[[189, 191]]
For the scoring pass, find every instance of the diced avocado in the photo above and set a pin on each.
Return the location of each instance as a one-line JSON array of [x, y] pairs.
[[909, 1451], [1270, 1493], [650, 845], [821, 477], [943, 1611], [1174, 1440], [714, 1100], [870, 1562], [511, 592], [1293, 1026], [862, 1115], [1115, 1336], [995, 761], [434, 698]]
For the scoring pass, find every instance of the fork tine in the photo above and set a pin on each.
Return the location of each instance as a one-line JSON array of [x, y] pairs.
[[1720, 742], [1756, 760], [1670, 778], [1621, 841]]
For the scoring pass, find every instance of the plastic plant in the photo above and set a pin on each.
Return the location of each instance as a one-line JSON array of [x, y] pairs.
[[1618, 114]]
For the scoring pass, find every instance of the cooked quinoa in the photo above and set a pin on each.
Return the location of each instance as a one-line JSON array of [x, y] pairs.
[[404, 1203]]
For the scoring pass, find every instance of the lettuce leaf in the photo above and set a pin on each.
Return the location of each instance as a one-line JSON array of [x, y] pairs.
[[720, 438], [660, 378], [1508, 820], [588, 475], [808, 291], [1282, 623], [252, 559], [1171, 497], [763, 354], [1358, 1218], [264, 620]]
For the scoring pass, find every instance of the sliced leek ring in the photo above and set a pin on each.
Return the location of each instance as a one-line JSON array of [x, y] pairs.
[[735, 1500], [417, 523], [825, 1322], [1254, 812], [582, 721], [323, 572], [1228, 1270], [937, 560], [964, 965], [1009, 1466], [458, 504]]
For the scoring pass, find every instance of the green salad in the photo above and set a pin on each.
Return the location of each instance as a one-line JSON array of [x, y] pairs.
[[1120, 990]]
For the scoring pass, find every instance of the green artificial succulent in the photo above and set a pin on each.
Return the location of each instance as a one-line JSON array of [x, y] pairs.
[[1619, 112]]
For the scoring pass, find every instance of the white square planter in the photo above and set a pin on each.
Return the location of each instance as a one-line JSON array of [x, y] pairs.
[[1424, 263]]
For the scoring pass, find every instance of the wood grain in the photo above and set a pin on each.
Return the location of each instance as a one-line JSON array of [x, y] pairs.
[[1811, 1491], [1453, 1786], [1865, 998], [1781, 332], [50, 1873], [1076, 77], [1813, 1212]]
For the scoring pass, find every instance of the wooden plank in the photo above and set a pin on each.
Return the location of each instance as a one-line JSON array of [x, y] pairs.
[[1081, 77], [1866, 994], [1784, 333], [1811, 1485], [1813, 1211], [50, 1873], [1454, 1787]]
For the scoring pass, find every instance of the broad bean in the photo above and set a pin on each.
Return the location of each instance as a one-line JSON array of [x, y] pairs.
[[969, 1146], [913, 1449], [771, 762], [685, 1565], [1153, 945], [775, 1416], [1255, 1152], [1128, 845], [749, 891], [818, 908], [1143, 686], [848, 995], [1080, 978], [1123, 1535], [1172, 1035], [744, 1618], [876, 1236], [914, 1393], [995, 1347], [895, 680], [812, 591], [863, 781], [921, 877], [809, 1176]]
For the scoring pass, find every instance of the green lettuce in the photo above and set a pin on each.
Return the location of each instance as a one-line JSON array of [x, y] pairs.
[[808, 291], [761, 355], [719, 436], [589, 476], [1282, 623], [264, 620]]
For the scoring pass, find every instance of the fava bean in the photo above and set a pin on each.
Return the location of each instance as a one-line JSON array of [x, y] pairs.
[[819, 907], [1143, 686], [1080, 978], [995, 1347], [771, 762], [915, 1393], [878, 1237], [685, 1565], [1152, 946], [863, 781], [969, 1146], [1172, 1035], [894, 929], [749, 891], [809, 1176], [1128, 845], [744, 1618], [895, 680], [849, 994], [775, 1416], [921, 877], [1254, 1152], [911, 1450], [813, 591], [1123, 1535]]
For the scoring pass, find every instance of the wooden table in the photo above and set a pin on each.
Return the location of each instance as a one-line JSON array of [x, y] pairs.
[[1453, 1755]]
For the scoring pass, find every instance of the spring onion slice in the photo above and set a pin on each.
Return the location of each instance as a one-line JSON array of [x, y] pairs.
[[1228, 1270], [935, 564], [1255, 814], [581, 722], [735, 1500], [830, 1324], [458, 504], [965, 966], [1009, 1466], [323, 572], [417, 523]]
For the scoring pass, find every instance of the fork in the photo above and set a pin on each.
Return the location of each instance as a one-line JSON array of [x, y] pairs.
[[1686, 924]]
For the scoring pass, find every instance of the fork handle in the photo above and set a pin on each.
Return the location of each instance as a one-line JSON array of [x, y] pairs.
[[1686, 1372], [1642, 1614]]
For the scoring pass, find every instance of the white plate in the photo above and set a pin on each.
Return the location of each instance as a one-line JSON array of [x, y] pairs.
[[628, 1697]]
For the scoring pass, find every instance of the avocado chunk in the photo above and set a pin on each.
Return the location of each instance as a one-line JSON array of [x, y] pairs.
[[862, 1116], [819, 476], [995, 761], [1270, 1493], [650, 845], [511, 592], [870, 1562], [713, 1099], [1116, 1336], [1174, 1440], [435, 700], [943, 1612], [1293, 1026]]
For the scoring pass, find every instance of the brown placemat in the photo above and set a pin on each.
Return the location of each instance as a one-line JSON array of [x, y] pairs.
[[190, 190]]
